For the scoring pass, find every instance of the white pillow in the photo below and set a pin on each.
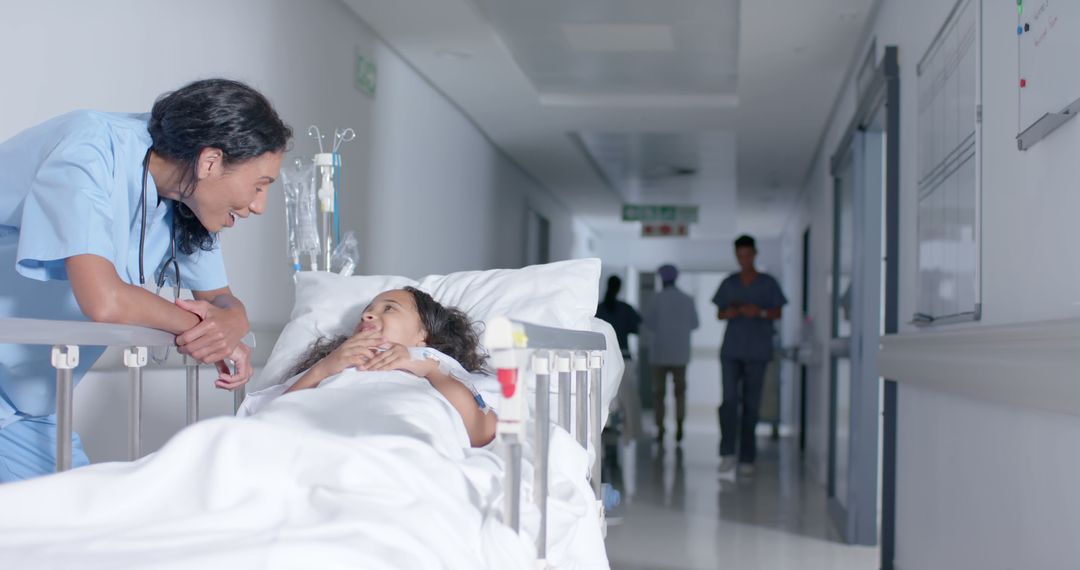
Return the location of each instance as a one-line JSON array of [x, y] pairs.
[[562, 294]]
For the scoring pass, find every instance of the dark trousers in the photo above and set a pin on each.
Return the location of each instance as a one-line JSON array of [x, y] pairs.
[[745, 378], [678, 376]]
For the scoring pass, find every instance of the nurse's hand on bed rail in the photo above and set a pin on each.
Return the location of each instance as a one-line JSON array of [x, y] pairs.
[[229, 380], [222, 324]]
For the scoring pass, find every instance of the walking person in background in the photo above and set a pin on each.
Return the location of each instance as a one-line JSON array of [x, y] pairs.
[[670, 318], [625, 320], [749, 301]]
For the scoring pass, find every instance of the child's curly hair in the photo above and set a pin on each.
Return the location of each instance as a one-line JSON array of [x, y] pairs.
[[447, 329], [450, 331]]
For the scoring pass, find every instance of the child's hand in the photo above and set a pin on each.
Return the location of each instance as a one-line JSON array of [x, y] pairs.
[[356, 351], [396, 357]]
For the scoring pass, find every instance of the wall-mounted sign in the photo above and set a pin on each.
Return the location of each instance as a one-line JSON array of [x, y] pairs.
[[664, 229], [659, 213], [365, 75]]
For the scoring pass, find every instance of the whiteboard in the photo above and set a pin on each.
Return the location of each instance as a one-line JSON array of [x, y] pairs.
[[948, 165], [1048, 34]]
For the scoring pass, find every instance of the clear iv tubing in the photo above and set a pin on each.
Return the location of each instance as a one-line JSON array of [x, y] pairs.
[[337, 184], [328, 246], [326, 194]]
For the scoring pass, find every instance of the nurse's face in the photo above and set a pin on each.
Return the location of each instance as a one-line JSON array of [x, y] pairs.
[[394, 317], [227, 192], [745, 256]]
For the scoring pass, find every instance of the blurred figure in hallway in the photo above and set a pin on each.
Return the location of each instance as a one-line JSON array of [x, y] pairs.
[[750, 301], [670, 319], [625, 320]]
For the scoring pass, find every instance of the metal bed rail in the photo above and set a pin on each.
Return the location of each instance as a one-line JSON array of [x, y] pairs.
[[575, 357], [66, 337]]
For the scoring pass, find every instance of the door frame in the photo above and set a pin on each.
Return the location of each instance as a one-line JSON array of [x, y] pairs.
[[803, 368], [880, 98]]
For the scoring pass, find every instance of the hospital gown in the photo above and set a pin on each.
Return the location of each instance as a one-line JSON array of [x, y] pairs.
[[71, 186]]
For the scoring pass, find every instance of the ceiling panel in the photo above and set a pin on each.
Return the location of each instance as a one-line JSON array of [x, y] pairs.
[[676, 47]]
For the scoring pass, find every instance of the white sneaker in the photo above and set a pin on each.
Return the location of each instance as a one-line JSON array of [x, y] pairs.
[[746, 469], [727, 463]]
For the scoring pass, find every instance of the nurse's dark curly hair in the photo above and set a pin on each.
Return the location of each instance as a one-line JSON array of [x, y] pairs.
[[217, 113], [447, 330]]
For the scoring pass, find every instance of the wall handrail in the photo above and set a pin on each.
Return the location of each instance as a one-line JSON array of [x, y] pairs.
[[1033, 365]]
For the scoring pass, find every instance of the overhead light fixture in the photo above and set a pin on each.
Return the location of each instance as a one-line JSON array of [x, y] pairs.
[[454, 54], [663, 172], [618, 38], [849, 16]]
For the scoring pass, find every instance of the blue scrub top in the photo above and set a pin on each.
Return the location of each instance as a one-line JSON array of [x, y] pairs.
[[747, 338], [71, 186]]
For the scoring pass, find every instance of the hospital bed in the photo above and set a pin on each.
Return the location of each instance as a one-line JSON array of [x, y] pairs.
[[552, 383]]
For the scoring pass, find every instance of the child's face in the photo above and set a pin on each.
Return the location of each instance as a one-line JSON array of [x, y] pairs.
[[394, 317]]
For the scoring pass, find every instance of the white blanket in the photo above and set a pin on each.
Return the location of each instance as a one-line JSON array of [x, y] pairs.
[[371, 470]]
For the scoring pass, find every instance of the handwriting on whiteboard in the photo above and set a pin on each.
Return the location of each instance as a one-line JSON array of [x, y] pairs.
[[1042, 36]]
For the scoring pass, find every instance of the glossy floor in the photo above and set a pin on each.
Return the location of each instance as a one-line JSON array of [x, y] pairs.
[[679, 512]]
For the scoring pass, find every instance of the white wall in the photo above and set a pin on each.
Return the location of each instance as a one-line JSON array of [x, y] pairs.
[[980, 485], [424, 189], [444, 198]]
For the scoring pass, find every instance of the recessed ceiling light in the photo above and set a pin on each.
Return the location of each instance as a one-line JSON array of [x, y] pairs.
[[455, 54], [848, 16], [619, 38]]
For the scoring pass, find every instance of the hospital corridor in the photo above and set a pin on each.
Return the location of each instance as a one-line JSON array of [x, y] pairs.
[[540, 284]]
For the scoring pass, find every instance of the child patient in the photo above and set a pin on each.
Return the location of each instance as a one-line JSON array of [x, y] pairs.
[[395, 321]]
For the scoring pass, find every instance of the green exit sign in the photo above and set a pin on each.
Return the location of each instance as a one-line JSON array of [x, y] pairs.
[[659, 213], [364, 75]]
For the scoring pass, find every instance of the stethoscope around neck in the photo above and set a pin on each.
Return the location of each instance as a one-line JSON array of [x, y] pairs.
[[172, 252], [142, 240]]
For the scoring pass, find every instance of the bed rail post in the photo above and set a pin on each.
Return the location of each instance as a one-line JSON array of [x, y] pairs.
[[542, 367], [192, 366], [238, 398], [65, 357], [134, 360], [562, 366], [509, 430], [581, 372], [596, 365]]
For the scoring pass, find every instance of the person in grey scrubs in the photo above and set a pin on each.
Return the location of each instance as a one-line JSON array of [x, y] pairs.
[[671, 317], [749, 301]]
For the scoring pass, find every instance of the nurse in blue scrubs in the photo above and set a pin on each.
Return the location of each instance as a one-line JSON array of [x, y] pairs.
[[77, 195]]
